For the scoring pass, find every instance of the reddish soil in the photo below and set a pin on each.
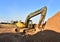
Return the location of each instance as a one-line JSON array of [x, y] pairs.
[[53, 23]]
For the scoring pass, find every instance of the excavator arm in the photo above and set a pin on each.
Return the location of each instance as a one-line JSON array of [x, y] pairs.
[[23, 27], [41, 11]]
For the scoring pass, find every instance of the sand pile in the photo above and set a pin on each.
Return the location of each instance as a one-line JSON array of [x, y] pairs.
[[53, 23]]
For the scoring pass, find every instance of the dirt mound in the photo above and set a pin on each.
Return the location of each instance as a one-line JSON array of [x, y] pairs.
[[53, 23]]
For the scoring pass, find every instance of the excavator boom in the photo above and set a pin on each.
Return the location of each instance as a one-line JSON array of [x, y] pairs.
[[23, 27], [41, 11]]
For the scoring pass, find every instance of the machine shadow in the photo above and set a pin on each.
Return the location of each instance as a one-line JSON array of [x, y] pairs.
[[43, 36]]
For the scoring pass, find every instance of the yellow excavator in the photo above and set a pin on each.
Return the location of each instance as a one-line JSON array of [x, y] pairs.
[[28, 23]]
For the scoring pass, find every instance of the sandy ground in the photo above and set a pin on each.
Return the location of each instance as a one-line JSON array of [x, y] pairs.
[[7, 30]]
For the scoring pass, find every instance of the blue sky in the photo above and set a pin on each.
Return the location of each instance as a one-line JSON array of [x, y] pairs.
[[19, 9]]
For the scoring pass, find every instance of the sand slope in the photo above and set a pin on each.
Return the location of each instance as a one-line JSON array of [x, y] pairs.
[[53, 23]]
